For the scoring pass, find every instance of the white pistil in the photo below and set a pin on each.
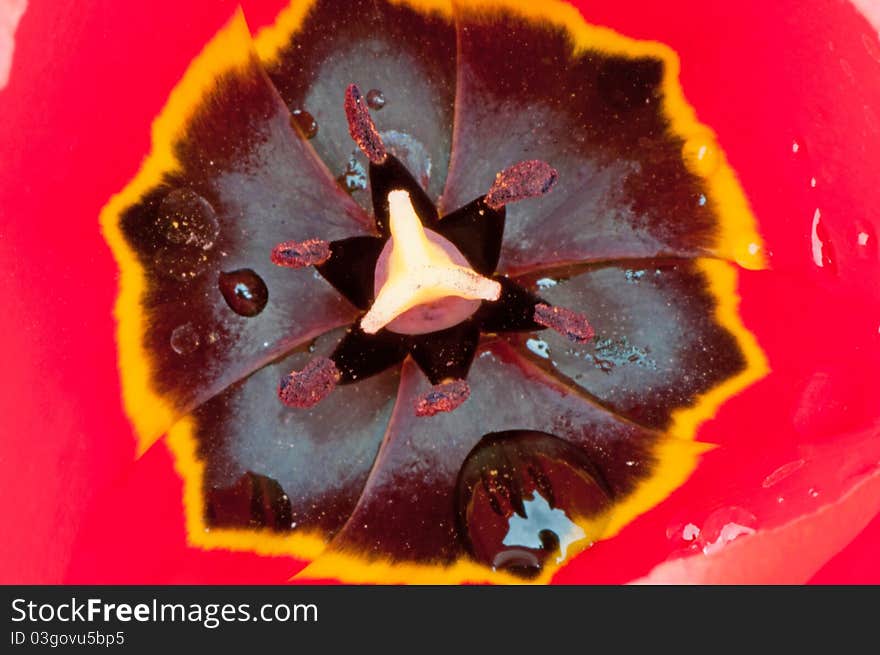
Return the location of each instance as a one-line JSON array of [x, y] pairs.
[[419, 272]]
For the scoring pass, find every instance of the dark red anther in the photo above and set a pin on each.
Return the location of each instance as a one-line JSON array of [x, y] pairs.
[[564, 321], [443, 397], [527, 179], [308, 387], [361, 126], [299, 254]]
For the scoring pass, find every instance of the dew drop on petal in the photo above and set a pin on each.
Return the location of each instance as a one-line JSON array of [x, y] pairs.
[[254, 501], [690, 532], [526, 498], [375, 99], [540, 347], [186, 218], [724, 526], [701, 154], [354, 177], [185, 339], [304, 122], [782, 472], [244, 291], [866, 240], [821, 249]]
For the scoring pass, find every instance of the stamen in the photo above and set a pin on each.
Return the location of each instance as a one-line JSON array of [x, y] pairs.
[[309, 386], [299, 254], [419, 271], [564, 321], [361, 126], [527, 179], [444, 397]]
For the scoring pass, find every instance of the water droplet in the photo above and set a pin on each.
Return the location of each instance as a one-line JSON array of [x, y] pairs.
[[184, 339], [186, 219], [540, 347], [866, 238], [702, 200], [725, 525], [795, 146], [244, 291], [254, 501], [701, 154], [375, 99], [820, 245], [354, 177], [546, 283], [518, 494], [782, 472], [304, 122], [814, 493], [690, 532], [633, 276]]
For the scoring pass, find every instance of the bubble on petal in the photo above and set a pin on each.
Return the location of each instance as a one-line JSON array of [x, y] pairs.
[[186, 219], [185, 339], [528, 498]]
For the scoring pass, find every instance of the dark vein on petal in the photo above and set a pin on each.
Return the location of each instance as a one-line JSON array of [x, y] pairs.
[[409, 370], [354, 209], [273, 355], [566, 270], [456, 109]]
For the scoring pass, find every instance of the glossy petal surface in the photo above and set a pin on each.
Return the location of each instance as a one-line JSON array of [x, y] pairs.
[[317, 49], [234, 148], [407, 511], [72, 139], [320, 456], [643, 368], [609, 115]]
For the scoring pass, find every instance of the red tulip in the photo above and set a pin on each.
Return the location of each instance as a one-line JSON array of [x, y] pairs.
[[736, 442]]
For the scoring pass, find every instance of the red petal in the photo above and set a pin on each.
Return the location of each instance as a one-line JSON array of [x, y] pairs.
[[74, 123]]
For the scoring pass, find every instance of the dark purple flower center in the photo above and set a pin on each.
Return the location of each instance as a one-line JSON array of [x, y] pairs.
[[426, 282]]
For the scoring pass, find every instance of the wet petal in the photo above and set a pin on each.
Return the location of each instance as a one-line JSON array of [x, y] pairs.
[[227, 179], [407, 512], [317, 49], [665, 336], [318, 457], [638, 176]]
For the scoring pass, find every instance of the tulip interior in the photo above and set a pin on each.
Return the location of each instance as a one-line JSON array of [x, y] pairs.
[[489, 359]]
